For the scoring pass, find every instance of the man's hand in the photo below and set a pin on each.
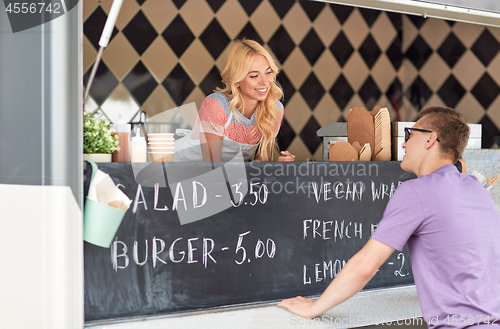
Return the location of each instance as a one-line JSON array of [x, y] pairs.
[[300, 306], [351, 279]]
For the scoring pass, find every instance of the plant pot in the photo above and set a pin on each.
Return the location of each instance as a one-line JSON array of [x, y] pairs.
[[97, 157]]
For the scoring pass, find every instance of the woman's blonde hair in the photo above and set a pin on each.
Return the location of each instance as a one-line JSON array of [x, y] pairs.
[[236, 65]]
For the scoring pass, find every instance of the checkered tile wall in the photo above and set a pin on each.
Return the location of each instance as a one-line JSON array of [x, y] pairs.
[[166, 53], [456, 65]]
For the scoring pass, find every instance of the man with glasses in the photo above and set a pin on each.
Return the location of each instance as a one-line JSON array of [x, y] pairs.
[[451, 226]]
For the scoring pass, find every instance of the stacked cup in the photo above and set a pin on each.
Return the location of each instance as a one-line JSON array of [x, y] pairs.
[[161, 147]]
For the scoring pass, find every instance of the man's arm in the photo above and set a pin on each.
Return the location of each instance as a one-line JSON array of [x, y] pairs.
[[351, 279]]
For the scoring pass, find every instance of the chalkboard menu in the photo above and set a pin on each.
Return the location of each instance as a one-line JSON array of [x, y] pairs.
[[272, 231]]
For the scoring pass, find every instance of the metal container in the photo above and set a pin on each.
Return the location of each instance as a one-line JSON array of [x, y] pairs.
[[332, 133]]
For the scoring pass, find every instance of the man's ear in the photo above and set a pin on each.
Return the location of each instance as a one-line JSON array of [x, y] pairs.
[[431, 140]]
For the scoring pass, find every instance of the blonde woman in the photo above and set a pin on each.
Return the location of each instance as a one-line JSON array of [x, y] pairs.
[[244, 115]]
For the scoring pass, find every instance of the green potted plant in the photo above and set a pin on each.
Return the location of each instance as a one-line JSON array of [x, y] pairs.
[[99, 138]]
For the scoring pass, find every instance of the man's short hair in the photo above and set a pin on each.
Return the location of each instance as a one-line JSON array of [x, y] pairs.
[[453, 131]]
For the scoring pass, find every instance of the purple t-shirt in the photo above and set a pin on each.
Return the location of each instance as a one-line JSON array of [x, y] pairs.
[[452, 228]]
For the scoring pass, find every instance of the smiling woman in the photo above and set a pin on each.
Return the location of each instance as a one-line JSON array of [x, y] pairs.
[[243, 116]]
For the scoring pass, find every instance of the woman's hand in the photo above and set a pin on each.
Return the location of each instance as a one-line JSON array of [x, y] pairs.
[[286, 156], [300, 306]]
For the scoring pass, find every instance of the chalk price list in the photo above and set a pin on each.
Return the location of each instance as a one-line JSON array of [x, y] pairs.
[[240, 195], [190, 251], [333, 231], [258, 192], [400, 272], [262, 249]]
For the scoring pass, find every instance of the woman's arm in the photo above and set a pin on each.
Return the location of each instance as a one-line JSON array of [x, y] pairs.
[[211, 147], [285, 156]]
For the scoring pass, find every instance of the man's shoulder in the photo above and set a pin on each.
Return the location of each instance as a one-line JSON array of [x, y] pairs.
[[444, 181], [419, 185]]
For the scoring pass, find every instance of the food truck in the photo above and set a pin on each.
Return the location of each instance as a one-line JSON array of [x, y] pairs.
[[158, 271]]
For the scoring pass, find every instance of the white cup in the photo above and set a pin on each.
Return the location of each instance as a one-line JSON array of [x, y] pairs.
[[161, 149], [161, 135], [161, 156], [160, 138], [161, 145]]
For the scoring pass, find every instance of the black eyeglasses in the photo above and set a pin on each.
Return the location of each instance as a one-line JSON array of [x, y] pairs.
[[408, 132]]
